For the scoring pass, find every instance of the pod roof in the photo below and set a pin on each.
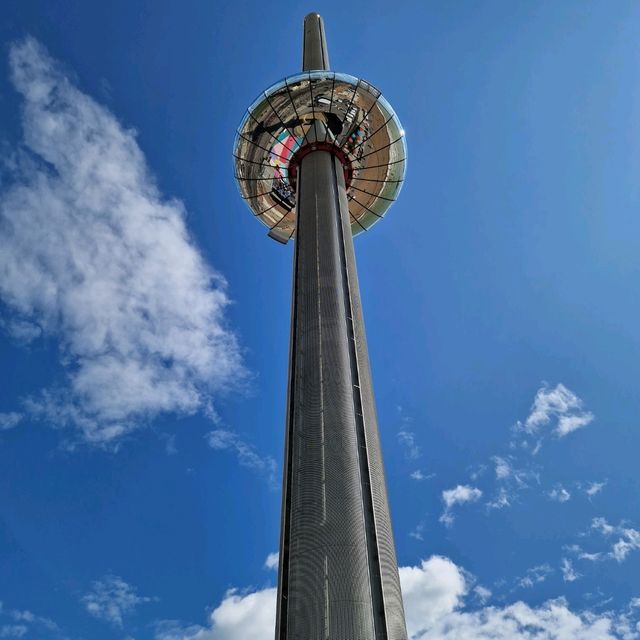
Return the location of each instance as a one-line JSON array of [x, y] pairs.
[[361, 129]]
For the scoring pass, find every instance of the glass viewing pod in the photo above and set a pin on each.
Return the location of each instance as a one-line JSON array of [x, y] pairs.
[[360, 128]]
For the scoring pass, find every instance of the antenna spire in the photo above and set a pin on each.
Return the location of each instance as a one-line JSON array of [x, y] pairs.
[[315, 56]]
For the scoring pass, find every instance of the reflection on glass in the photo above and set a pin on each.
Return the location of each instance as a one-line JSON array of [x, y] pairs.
[[359, 123]]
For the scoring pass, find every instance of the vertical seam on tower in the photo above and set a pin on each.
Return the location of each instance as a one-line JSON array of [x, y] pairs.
[[375, 572], [321, 366], [327, 609]]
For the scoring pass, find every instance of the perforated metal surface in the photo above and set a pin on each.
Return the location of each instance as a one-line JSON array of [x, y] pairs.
[[338, 577]]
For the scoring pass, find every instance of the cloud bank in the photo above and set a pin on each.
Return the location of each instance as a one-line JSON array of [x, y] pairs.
[[434, 595], [93, 255]]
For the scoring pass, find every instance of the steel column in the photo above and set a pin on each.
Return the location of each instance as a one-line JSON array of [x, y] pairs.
[[338, 577]]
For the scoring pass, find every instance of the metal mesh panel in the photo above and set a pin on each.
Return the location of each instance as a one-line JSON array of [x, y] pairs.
[[394, 610], [328, 594], [338, 577]]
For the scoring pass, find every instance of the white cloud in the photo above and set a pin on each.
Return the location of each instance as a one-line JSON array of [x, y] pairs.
[[517, 478], [240, 616], [559, 494], [595, 488], [579, 552], [511, 481], [16, 623], [222, 439], [601, 525], [417, 532], [550, 402], [482, 593], [553, 620], [501, 500], [408, 440], [430, 591], [10, 420], [569, 574], [434, 596], [560, 405], [478, 471], [567, 424], [111, 599], [628, 540], [94, 255], [535, 575], [503, 468], [461, 494], [419, 475], [272, 560]]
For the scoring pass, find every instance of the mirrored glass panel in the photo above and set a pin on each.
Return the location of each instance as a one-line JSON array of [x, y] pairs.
[[360, 125]]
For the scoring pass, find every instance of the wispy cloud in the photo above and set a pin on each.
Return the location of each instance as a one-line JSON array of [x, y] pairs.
[[10, 420], [559, 494], [535, 575], [602, 526], [419, 475], [478, 471], [461, 494], [594, 488], [169, 440], [558, 411], [501, 500], [482, 593], [225, 440], [407, 438], [581, 554], [111, 599], [558, 408], [622, 540], [509, 472], [93, 254], [18, 623], [511, 480], [417, 532], [628, 539], [502, 467], [569, 574]]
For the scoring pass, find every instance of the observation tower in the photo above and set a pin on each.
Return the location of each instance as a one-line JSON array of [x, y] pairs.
[[320, 157]]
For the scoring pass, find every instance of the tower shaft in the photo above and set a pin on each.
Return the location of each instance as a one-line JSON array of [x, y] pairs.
[[338, 577]]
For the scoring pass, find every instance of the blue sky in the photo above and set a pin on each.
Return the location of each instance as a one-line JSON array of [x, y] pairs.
[[144, 317]]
